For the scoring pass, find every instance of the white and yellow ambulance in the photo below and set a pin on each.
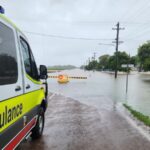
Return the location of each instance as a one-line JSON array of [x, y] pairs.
[[22, 95]]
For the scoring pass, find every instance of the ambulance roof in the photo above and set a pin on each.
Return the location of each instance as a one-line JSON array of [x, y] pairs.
[[3, 17]]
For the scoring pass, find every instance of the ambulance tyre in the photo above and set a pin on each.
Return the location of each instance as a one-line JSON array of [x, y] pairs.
[[38, 129]]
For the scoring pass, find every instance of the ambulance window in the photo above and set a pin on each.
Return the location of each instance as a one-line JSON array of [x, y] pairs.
[[26, 57], [34, 68], [8, 56], [30, 65]]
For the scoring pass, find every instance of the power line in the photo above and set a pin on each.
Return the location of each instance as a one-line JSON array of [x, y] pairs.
[[128, 10], [82, 38], [112, 22], [141, 10], [138, 10], [135, 23], [66, 37], [140, 34]]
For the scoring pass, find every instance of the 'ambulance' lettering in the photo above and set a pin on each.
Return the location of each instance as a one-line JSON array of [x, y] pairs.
[[10, 114]]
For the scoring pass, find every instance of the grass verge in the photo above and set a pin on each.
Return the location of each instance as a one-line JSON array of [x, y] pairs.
[[138, 115]]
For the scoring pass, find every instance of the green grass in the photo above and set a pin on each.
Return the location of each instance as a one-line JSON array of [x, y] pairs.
[[138, 115]]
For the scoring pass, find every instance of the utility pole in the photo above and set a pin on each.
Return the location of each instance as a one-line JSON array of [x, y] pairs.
[[117, 45], [89, 60], [127, 74], [94, 56]]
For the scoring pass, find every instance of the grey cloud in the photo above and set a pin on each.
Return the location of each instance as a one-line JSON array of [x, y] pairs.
[[79, 18]]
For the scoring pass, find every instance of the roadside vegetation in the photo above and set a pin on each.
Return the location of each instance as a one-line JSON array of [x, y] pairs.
[[138, 115], [106, 62], [60, 67]]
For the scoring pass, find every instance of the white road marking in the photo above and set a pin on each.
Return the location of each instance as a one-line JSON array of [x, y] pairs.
[[50, 97]]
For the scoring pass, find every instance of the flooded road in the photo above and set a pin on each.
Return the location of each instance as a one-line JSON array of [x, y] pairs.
[[87, 118], [102, 84], [71, 125]]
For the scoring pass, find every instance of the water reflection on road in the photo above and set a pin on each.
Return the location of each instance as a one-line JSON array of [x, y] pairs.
[[104, 85]]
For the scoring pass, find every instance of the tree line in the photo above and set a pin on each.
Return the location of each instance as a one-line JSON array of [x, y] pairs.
[[108, 62], [61, 67]]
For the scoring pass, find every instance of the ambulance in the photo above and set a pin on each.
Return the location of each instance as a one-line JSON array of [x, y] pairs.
[[23, 97]]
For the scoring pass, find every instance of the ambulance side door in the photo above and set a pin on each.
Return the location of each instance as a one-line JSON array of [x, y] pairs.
[[32, 83]]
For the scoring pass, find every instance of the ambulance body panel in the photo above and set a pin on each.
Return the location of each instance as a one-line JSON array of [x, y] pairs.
[[22, 95]]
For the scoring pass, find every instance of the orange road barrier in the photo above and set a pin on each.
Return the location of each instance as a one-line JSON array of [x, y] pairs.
[[52, 76], [65, 78], [77, 77], [68, 77], [60, 77]]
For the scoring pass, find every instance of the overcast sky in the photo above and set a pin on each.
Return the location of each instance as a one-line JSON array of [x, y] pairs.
[[83, 19]]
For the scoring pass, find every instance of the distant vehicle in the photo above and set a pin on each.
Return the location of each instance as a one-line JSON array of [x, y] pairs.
[[23, 97]]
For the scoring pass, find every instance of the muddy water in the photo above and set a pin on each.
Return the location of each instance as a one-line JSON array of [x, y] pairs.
[[90, 120], [71, 125], [101, 84]]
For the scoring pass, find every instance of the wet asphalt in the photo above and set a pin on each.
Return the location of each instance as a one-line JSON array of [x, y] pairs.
[[72, 125]]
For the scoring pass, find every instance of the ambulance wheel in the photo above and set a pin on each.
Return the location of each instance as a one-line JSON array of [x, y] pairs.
[[38, 129]]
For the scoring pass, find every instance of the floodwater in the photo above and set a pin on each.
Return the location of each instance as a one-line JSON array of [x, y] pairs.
[[100, 84], [86, 117], [72, 125]]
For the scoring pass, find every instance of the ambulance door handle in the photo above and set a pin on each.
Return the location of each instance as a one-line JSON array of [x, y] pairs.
[[28, 86], [18, 88]]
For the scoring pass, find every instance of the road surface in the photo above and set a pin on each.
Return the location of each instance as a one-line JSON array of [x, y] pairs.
[[72, 125]]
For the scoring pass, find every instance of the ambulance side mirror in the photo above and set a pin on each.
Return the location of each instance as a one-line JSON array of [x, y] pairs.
[[43, 72]]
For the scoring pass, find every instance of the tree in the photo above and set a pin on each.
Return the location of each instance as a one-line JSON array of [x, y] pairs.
[[107, 62], [123, 58], [112, 63], [103, 62], [134, 60], [146, 65], [92, 65], [144, 56]]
